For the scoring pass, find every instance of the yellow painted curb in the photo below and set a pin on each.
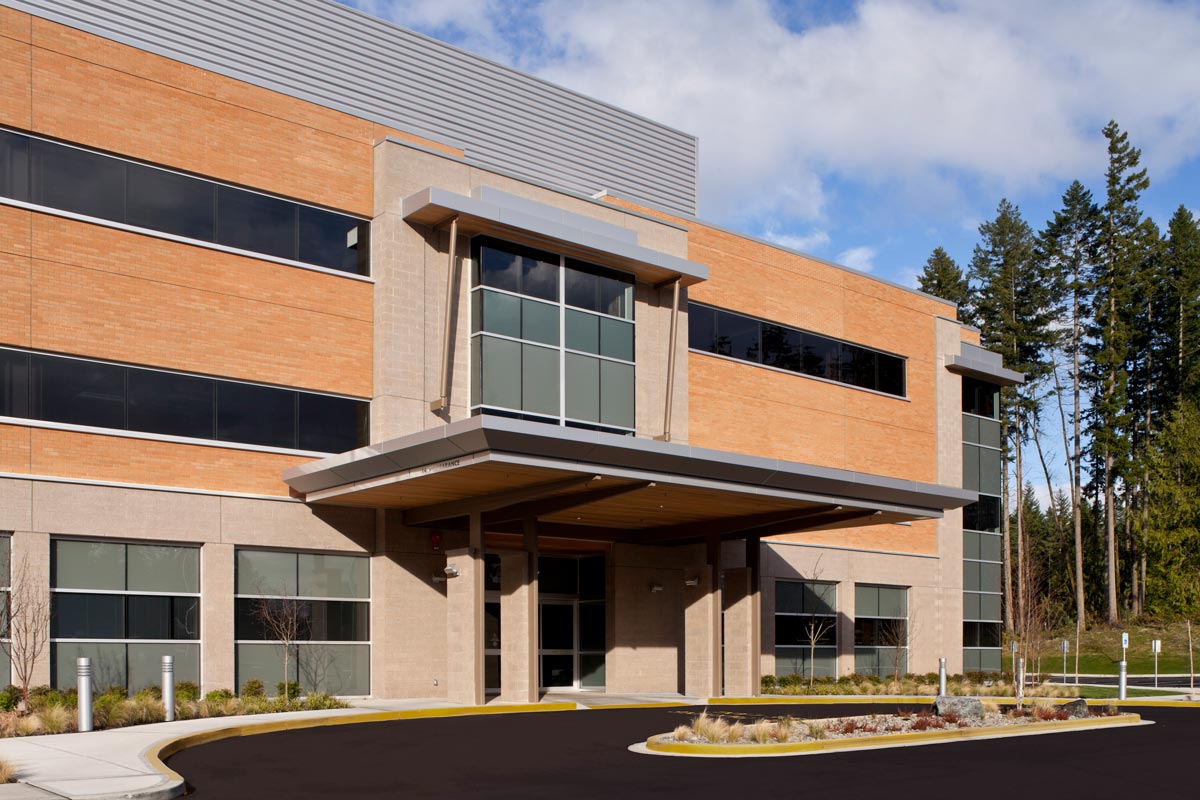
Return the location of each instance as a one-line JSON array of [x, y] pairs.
[[658, 743], [824, 699], [157, 754], [664, 704]]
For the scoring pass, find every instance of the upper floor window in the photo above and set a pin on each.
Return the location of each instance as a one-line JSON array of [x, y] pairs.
[[92, 184], [980, 398], [552, 338], [713, 330]]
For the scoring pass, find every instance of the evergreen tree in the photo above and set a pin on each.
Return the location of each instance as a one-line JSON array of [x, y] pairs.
[[1014, 303], [1119, 257], [1174, 535], [1181, 328], [1068, 248], [942, 278]]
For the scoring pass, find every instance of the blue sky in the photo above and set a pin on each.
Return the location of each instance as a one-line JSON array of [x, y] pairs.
[[870, 132]]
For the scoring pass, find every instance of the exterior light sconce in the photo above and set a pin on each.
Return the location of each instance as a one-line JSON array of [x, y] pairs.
[[451, 571], [655, 587], [692, 582]]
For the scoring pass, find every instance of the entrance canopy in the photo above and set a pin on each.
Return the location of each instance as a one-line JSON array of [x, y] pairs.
[[596, 486]]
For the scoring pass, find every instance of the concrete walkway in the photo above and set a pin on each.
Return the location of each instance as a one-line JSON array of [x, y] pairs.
[[110, 764]]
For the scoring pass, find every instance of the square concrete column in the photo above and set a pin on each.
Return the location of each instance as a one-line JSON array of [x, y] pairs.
[[30, 576], [741, 624], [216, 618], [519, 623], [464, 620], [754, 564], [701, 634]]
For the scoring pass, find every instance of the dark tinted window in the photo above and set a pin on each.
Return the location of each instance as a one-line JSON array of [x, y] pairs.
[[157, 617], [858, 366], [823, 357], [87, 616], [171, 404], [981, 634], [737, 336], [982, 515], [796, 630], [330, 240], [890, 375], [558, 575], [337, 621], [591, 578], [79, 392], [702, 328], [979, 398], [330, 424], [598, 289], [783, 347], [879, 632], [256, 415], [14, 384], [78, 181], [504, 265], [172, 203], [14, 166], [250, 221]]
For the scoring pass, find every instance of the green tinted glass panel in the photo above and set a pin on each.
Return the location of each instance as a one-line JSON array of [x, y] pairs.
[[989, 607], [989, 432], [160, 568], [338, 669], [789, 597], [616, 339], [476, 370], [108, 664], [616, 394], [820, 598], [583, 388], [893, 602], [491, 626], [970, 544], [501, 362], [501, 313], [539, 322], [989, 577], [970, 660], [334, 576], [539, 380], [970, 455], [866, 601], [591, 669], [491, 673], [5, 560], [971, 576], [970, 428], [989, 471], [88, 565], [583, 331], [795, 661], [264, 662], [266, 573], [145, 664], [989, 547], [970, 605]]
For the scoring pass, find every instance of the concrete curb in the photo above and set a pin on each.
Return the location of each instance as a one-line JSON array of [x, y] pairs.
[[659, 745], [866, 699]]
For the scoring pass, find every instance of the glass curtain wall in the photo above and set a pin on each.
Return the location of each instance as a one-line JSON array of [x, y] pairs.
[[124, 606], [5, 590], [982, 553], [806, 628], [328, 597], [552, 338]]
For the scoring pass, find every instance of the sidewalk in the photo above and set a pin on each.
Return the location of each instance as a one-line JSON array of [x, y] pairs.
[[113, 763]]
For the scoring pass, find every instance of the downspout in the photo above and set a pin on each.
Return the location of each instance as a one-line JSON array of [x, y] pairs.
[[670, 393], [443, 400]]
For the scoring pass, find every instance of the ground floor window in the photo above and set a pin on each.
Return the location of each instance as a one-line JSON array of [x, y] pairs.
[[5, 590], [320, 603], [806, 628], [124, 606], [572, 627], [880, 630]]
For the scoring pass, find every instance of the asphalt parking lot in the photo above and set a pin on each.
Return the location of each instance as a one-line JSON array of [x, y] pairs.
[[583, 754]]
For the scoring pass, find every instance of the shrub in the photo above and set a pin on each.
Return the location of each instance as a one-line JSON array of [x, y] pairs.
[[816, 731], [254, 688], [55, 719], [143, 709], [219, 696], [7, 773], [119, 692], [682, 733], [186, 691], [319, 701], [10, 698], [293, 689], [28, 726], [108, 711], [711, 729], [152, 693], [761, 731]]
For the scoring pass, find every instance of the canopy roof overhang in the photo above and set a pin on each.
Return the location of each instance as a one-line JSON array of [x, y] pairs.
[[604, 487]]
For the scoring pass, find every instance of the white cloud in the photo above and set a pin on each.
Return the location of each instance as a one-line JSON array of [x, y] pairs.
[[932, 100], [861, 258], [807, 243]]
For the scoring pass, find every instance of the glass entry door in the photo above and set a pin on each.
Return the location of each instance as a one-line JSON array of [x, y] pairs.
[[559, 645]]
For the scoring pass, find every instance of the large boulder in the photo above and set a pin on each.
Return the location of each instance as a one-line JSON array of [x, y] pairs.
[[961, 707], [1077, 709]]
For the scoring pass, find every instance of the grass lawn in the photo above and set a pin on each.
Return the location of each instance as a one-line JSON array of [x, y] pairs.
[[1110, 692], [1100, 649]]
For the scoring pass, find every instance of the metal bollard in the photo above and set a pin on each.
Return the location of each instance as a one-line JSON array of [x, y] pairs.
[[1020, 676], [942, 677], [168, 687], [83, 686], [1122, 682]]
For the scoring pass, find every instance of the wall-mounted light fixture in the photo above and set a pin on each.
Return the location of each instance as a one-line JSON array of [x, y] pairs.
[[655, 587], [451, 571], [692, 582]]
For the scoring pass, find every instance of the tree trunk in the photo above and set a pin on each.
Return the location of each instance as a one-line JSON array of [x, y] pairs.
[[1077, 476], [1110, 537], [1022, 599], [1005, 538]]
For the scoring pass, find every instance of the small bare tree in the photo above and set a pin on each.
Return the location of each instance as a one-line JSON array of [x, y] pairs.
[[25, 623], [814, 631], [284, 620]]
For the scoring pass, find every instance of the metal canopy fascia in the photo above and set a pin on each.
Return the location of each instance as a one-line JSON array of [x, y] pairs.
[[493, 212], [496, 439]]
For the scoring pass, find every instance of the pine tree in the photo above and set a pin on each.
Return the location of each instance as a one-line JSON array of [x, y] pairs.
[[1117, 263], [1068, 246], [1015, 307], [942, 278], [1174, 535], [1181, 271]]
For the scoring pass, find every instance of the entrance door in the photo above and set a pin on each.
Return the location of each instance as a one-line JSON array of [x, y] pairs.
[[559, 644]]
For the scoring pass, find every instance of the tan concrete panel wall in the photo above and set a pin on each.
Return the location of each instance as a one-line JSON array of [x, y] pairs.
[[68, 454], [16, 505], [31, 553], [217, 657]]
